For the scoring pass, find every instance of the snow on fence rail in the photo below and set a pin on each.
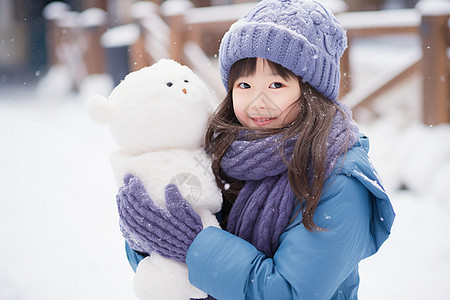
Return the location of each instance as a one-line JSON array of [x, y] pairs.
[[172, 28]]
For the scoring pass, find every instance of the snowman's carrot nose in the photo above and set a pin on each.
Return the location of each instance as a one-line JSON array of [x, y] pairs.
[[184, 91]]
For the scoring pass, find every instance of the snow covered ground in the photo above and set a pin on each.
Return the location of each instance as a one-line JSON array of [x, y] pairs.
[[58, 220]]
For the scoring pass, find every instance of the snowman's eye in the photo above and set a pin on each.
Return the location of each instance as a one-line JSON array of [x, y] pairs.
[[187, 81], [169, 84]]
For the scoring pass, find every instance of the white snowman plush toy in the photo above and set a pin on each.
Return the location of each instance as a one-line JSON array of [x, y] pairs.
[[158, 116]]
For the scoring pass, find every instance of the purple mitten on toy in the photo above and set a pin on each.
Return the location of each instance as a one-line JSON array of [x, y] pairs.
[[148, 227]]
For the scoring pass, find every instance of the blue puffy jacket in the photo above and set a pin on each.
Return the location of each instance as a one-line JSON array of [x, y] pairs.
[[358, 216]]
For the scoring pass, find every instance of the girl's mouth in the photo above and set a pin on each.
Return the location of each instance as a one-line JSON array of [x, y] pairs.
[[262, 121]]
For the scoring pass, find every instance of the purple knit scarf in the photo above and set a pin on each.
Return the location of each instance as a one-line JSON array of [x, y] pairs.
[[264, 205]]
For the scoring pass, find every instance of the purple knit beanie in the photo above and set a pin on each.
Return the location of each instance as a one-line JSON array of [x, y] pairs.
[[301, 35]]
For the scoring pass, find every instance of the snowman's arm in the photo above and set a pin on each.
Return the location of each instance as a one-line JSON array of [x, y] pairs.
[[134, 257]]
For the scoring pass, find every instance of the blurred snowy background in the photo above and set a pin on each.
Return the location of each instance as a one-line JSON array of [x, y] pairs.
[[58, 220]]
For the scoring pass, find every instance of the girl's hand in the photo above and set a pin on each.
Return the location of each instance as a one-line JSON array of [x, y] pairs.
[[148, 228]]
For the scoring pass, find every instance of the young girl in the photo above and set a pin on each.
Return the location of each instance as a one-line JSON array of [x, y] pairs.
[[302, 203]]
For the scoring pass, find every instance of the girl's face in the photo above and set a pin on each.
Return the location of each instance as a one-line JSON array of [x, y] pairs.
[[265, 99]]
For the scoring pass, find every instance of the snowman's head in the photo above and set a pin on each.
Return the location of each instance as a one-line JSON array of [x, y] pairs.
[[164, 106]]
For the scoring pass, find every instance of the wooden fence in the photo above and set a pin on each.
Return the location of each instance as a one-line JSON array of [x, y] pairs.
[[433, 64], [191, 35], [73, 39]]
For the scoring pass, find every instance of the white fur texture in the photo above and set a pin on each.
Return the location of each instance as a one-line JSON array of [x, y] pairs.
[[158, 117], [155, 269], [145, 114]]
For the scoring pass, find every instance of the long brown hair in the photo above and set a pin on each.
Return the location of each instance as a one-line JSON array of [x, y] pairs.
[[306, 169]]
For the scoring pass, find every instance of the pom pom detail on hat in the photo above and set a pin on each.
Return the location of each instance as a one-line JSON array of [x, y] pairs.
[[301, 35]]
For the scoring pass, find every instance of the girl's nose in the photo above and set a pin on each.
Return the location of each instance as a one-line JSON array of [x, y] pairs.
[[260, 102]]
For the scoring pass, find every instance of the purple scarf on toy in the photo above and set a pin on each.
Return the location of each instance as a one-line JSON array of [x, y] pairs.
[[264, 205]]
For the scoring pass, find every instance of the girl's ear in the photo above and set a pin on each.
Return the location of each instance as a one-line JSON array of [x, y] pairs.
[[100, 109]]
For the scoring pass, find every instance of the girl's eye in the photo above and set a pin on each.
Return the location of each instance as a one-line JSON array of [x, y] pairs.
[[169, 84], [244, 85], [276, 85]]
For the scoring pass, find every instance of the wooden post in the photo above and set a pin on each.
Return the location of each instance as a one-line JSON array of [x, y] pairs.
[[54, 33], [139, 56], [201, 3], [177, 36], [174, 13], [436, 102], [346, 82], [103, 4], [93, 28]]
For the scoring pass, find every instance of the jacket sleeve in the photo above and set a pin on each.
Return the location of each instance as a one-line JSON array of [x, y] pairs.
[[307, 265], [133, 256]]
